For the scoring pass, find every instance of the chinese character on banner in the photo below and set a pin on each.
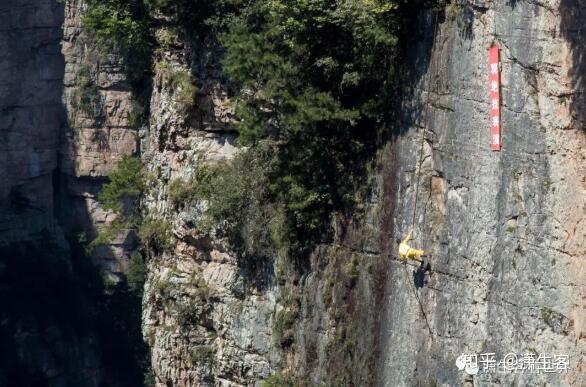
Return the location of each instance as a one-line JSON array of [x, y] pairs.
[[495, 96], [494, 104]]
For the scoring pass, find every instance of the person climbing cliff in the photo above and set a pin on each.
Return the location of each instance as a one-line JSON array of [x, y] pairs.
[[407, 252]]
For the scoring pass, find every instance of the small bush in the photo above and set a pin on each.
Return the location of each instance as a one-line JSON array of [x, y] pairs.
[[203, 292], [181, 84], [184, 89], [126, 185], [179, 191], [86, 96], [454, 10], [285, 319], [278, 380], [352, 267], [136, 272], [156, 234], [238, 203], [188, 314], [107, 233], [202, 355], [167, 38], [138, 115]]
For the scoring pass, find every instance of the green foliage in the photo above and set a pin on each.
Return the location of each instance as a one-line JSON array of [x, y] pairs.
[[137, 116], [183, 88], [285, 318], [121, 195], [156, 234], [86, 96], [318, 76], [197, 17], [278, 380], [197, 307], [179, 191], [312, 65], [122, 27], [237, 197], [167, 38], [136, 272], [352, 267], [108, 232], [453, 10], [202, 354], [180, 83], [127, 182], [188, 314], [163, 288]]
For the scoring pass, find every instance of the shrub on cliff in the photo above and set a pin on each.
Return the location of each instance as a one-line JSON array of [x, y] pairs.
[[121, 27], [155, 234], [127, 182], [318, 77], [237, 200], [136, 272]]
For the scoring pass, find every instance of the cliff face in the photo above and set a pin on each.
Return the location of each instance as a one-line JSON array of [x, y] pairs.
[[505, 230], [99, 109], [54, 330], [202, 318], [31, 114]]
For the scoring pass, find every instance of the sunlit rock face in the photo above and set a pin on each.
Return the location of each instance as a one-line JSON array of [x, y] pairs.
[[505, 229]]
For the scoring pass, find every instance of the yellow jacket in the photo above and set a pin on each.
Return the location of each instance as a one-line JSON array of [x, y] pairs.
[[406, 251]]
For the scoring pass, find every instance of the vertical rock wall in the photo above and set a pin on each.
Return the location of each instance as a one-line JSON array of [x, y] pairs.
[[205, 322], [99, 132], [56, 145], [31, 82], [505, 230]]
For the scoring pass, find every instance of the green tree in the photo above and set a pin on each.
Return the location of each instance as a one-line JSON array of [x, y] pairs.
[[127, 182]]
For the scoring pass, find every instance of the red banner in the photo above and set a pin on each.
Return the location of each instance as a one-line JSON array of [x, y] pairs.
[[495, 97]]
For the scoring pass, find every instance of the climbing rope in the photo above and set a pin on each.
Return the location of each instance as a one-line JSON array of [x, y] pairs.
[[418, 174], [426, 120], [494, 23], [419, 302]]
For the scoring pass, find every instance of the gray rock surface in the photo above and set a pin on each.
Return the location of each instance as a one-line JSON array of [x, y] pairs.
[[505, 230], [203, 323], [31, 82]]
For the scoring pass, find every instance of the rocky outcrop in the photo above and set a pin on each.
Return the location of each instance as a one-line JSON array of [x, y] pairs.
[[505, 230], [101, 128], [203, 320], [53, 325]]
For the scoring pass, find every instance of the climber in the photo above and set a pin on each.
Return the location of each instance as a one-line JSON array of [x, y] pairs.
[[407, 252]]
